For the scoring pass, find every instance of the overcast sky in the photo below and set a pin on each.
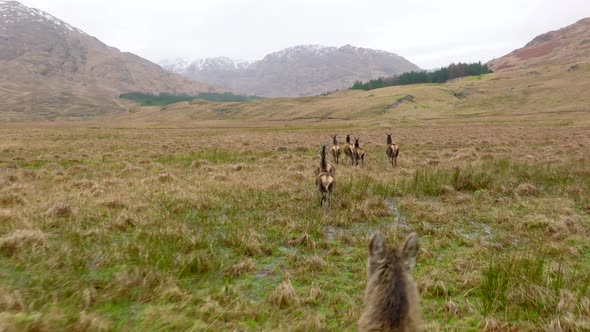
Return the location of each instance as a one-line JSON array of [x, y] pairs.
[[430, 33]]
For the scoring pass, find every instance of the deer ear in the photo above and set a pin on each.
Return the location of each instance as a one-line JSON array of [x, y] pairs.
[[410, 250], [376, 247]]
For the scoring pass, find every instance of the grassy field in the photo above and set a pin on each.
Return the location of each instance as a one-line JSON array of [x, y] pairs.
[[157, 229], [546, 95]]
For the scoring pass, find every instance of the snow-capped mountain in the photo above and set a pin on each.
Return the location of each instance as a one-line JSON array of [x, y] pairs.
[[14, 12], [300, 70], [175, 65], [52, 68], [182, 66]]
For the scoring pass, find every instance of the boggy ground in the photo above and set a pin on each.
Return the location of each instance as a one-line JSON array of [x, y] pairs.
[[221, 229]]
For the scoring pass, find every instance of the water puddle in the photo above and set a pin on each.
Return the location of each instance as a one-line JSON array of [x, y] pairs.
[[330, 232], [288, 250], [265, 270], [479, 230], [398, 218]]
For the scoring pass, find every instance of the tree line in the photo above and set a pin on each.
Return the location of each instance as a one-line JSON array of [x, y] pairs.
[[438, 76], [163, 99]]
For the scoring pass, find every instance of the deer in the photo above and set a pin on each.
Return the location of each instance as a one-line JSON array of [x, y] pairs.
[[335, 150], [330, 168], [391, 296], [348, 149], [392, 150], [325, 179], [357, 153]]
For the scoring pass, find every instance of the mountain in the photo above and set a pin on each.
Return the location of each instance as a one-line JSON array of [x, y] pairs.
[[541, 83], [51, 69], [302, 70], [568, 45]]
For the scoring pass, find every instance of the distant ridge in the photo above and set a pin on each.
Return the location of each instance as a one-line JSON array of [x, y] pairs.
[[301, 70]]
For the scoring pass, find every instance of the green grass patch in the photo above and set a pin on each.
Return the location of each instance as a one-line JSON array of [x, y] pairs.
[[33, 164], [163, 99], [213, 156], [526, 286]]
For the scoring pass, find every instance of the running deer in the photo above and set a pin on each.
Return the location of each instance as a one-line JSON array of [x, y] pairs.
[[348, 149], [392, 150], [335, 150], [357, 153], [391, 297], [325, 179], [330, 168]]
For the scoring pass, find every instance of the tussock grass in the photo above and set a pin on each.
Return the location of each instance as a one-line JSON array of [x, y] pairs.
[[9, 199], [284, 295], [59, 209], [22, 239], [524, 287], [185, 229]]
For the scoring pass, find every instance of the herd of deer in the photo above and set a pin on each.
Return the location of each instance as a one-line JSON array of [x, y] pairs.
[[326, 171], [391, 295]]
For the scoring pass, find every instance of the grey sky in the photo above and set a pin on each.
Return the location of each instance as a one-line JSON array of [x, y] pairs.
[[430, 33]]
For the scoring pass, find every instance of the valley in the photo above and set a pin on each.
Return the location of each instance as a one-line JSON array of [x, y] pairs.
[[204, 215]]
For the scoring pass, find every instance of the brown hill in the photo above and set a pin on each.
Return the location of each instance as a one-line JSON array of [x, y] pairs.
[[566, 46], [50, 69]]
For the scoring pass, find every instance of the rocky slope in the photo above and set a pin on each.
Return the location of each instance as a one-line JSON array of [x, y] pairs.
[[50, 69]]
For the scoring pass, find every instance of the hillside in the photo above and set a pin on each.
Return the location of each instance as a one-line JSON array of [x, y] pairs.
[[51, 69], [566, 46], [539, 82], [543, 97], [303, 70]]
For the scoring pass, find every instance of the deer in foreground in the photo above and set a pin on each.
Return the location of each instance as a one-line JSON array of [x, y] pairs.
[[335, 150], [391, 297], [325, 179], [348, 149], [357, 153], [392, 150]]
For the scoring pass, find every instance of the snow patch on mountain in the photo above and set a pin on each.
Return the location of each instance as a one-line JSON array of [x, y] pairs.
[[181, 65], [14, 12], [298, 50], [220, 63]]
